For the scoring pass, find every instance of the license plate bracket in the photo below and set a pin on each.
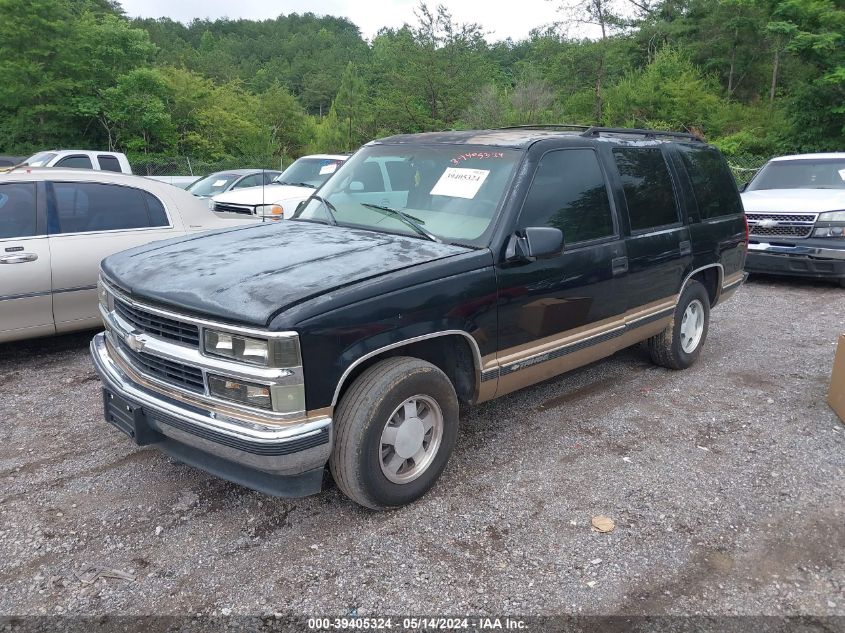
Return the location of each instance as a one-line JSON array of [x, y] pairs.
[[129, 418]]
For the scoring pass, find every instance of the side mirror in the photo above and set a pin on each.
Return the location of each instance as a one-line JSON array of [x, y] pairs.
[[533, 243], [356, 185]]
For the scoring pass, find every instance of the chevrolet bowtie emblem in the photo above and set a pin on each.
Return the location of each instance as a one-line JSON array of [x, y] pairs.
[[135, 342]]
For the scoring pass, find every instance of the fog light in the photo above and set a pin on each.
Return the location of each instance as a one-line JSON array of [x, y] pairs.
[[240, 391]]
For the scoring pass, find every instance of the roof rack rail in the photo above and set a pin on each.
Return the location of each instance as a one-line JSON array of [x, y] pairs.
[[598, 131], [553, 126]]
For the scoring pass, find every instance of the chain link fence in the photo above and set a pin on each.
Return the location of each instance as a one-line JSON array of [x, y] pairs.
[[187, 166], [744, 166]]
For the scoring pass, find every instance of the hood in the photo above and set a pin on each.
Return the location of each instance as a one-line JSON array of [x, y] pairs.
[[268, 194], [248, 275], [793, 200]]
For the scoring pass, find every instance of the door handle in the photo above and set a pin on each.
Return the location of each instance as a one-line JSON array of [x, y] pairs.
[[686, 247], [619, 265], [18, 258]]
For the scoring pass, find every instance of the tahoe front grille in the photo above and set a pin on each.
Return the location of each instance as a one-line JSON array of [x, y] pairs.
[[166, 370], [233, 208], [791, 225], [158, 325]]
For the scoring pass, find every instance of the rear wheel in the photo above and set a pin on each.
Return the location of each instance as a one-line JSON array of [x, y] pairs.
[[393, 433], [679, 345]]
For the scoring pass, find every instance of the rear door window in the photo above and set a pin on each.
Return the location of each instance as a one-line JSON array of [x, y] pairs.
[[77, 161], [17, 210], [82, 207], [647, 186], [713, 185], [109, 163]]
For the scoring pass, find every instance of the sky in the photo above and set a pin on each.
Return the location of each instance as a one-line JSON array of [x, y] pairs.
[[499, 20]]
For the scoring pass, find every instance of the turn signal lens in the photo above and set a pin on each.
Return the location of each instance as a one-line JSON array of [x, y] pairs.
[[240, 391]]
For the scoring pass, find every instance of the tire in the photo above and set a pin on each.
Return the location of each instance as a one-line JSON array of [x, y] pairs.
[[362, 464], [673, 348]]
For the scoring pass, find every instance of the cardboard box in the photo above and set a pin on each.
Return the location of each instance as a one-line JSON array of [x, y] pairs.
[[836, 394]]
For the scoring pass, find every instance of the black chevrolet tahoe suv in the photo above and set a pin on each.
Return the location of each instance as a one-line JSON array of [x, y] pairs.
[[431, 270]]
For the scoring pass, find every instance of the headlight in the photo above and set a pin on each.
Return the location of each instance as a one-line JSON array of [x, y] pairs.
[[829, 231], [275, 211], [832, 216], [279, 398], [283, 352], [104, 296]]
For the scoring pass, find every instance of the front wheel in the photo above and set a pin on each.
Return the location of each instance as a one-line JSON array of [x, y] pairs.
[[393, 433], [679, 345]]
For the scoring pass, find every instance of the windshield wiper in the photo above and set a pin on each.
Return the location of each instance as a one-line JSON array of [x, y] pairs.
[[296, 184], [414, 223], [332, 210]]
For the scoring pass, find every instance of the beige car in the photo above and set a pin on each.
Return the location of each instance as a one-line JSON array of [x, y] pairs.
[[57, 224]]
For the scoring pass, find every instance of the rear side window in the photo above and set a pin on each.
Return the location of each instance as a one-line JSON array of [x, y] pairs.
[[79, 161], [109, 163], [712, 182], [17, 210], [568, 192], [647, 186], [85, 206]]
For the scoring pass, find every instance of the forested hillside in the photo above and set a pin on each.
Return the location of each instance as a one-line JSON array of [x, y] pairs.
[[755, 76]]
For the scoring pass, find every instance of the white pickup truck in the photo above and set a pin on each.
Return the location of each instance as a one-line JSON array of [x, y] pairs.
[[102, 161]]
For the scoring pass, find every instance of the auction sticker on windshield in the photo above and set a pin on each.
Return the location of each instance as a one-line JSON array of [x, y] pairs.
[[328, 169], [458, 182]]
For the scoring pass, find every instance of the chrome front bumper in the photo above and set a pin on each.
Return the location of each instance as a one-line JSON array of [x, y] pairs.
[[799, 250], [220, 443]]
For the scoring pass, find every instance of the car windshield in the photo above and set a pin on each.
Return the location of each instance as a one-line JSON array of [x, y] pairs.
[[40, 159], [807, 173], [213, 184], [309, 172], [450, 192]]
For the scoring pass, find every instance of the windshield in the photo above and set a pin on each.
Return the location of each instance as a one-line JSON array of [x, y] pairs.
[[823, 173], [309, 172], [40, 159], [449, 191], [213, 184]]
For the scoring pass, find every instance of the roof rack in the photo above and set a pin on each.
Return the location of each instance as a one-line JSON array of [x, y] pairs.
[[553, 126], [598, 131]]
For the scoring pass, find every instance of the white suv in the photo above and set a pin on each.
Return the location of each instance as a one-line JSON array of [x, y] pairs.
[[280, 198], [795, 207]]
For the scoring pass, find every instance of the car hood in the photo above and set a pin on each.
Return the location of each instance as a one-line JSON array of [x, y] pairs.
[[248, 275], [267, 194], [793, 200]]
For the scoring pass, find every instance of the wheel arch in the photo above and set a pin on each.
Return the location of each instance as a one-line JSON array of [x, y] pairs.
[[461, 362], [711, 276]]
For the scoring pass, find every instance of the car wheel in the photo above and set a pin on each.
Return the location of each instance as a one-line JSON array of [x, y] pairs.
[[678, 346], [393, 433]]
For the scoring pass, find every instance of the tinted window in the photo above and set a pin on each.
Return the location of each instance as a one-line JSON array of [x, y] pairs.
[[249, 181], [75, 162], [17, 210], [269, 176], [569, 192], [647, 186], [712, 182], [86, 206], [109, 163]]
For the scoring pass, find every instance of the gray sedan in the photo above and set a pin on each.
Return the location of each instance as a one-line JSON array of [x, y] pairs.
[[222, 181]]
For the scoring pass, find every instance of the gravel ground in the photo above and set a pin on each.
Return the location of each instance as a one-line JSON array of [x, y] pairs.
[[725, 482]]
